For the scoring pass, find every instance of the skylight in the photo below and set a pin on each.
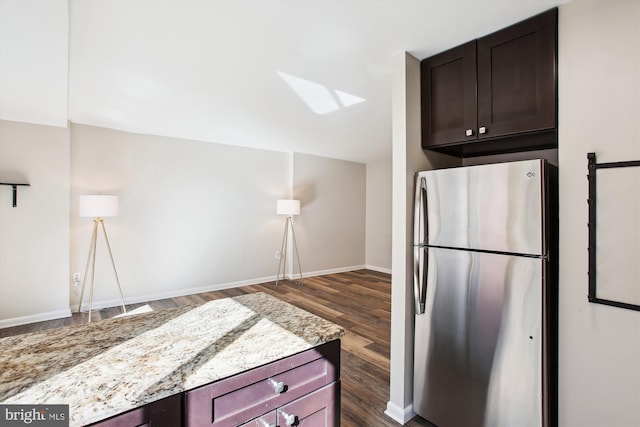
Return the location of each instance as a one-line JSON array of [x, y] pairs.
[[320, 99], [347, 100]]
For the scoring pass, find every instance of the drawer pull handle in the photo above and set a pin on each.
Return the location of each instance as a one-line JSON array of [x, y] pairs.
[[482, 130], [278, 386], [469, 132], [289, 419]]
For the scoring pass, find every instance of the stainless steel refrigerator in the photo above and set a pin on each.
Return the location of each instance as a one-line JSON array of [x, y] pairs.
[[484, 282]]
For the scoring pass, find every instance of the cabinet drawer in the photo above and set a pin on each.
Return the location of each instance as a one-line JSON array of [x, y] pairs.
[[266, 420], [236, 400], [317, 409]]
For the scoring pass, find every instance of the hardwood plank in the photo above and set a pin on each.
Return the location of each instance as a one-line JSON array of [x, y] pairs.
[[315, 306], [357, 345], [162, 304], [360, 301]]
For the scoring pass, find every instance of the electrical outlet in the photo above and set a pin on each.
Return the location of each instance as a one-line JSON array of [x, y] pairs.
[[76, 284], [278, 255]]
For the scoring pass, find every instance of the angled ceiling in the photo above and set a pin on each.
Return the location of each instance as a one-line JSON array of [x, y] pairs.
[[305, 76]]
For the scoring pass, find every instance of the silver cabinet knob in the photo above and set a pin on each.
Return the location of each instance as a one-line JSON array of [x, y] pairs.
[[482, 130], [278, 386], [469, 132], [289, 419]]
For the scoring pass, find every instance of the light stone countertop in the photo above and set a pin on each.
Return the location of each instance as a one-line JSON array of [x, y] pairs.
[[108, 367]]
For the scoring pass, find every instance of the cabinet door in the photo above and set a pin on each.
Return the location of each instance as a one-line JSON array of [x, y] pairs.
[[448, 96], [318, 409], [163, 413], [517, 78]]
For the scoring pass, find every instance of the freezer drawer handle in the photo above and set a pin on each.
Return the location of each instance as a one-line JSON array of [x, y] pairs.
[[419, 278]]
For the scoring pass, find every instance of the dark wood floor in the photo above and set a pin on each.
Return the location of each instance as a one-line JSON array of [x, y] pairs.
[[360, 301]]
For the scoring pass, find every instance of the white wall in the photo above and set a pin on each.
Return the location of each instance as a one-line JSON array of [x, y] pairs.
[[193, 216], [331, 226], [378, 222], [34, 236], [599, 110], [408, 158]]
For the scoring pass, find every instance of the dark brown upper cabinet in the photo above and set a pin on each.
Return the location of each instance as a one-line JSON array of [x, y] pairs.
[[497, 94]]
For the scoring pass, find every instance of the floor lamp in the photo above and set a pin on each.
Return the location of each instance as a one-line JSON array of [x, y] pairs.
[[289, 208], [98, 207]]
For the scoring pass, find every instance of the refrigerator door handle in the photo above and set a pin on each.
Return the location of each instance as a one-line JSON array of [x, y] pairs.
[[420, 256], [420, 233]]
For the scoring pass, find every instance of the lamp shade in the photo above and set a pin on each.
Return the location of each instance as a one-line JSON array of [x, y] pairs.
[[288, 207], [98, 206]]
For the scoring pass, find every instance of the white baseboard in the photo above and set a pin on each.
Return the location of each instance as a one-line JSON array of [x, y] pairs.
[[332, 271], [398, 414], [32, 318], [378, 269]]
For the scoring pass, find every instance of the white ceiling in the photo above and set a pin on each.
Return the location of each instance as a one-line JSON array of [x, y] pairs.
[[230, 72]]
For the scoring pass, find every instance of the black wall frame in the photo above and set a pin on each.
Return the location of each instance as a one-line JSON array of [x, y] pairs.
[[593, 167]]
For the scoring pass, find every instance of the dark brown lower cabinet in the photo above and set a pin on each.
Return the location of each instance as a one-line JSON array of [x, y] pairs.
[[162, 413], [299, 390], [255, 393]]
